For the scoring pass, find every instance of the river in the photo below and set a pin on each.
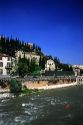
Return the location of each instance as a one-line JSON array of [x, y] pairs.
[[62, 106]]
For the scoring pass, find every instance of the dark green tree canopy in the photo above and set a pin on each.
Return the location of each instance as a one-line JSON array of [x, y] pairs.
[[15, 86], [10, 46]]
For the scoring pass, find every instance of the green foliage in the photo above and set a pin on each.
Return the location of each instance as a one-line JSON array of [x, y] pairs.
[[15, 86], [57, 62], [42, 61], [10, 46], [81, 72], [36, 70], [66, 67], [29, 91], [23, 67]]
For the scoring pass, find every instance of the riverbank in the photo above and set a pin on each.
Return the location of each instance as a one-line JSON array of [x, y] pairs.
[[57, 86], [34, 88]]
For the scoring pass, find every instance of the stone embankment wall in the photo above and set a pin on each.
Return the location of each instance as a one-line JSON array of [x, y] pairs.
[[35, 84], [40, 82]]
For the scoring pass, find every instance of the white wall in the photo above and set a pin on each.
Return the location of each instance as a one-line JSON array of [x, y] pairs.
[[4, 61], [50, 65]]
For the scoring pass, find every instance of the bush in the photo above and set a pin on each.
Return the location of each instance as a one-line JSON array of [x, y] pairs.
[[15, 86], [29, 91]]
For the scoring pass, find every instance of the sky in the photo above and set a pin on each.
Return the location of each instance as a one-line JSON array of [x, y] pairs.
[[55, 25]]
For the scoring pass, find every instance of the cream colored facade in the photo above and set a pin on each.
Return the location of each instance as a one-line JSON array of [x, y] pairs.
[[50, 65], [31, 55], [78, 66], [77, 69]]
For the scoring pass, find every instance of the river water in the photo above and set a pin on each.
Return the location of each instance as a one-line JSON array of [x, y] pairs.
[[62, 106]]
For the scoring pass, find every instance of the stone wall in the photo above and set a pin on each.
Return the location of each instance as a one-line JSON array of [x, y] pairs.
[[35, 84]]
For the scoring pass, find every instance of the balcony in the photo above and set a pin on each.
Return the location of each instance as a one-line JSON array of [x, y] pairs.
[[8, 67]]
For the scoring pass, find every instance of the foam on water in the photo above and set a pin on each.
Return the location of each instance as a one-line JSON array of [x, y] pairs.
[[1, 122], [27, 112], [17, 119]]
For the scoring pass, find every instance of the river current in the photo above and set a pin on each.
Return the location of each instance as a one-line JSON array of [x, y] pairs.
[[62, 106]]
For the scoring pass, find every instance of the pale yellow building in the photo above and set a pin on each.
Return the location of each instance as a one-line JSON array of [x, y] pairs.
[[27, 55], [78, 66]]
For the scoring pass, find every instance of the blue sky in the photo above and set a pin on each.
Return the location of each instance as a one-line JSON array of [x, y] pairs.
[[55, 25]]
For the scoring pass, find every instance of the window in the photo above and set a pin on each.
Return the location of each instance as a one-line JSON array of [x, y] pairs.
[[1, 64], [0, 58], [9, 64], [1, 71], [8, 58]]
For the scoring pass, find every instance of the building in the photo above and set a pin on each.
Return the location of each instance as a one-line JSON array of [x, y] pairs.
[[6, 63], [27, 55], [77, 69], [50, 65], [78, 66], [30, 45]]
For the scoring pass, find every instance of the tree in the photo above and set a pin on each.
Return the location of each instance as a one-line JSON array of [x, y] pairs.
[[15, 86], [42, 62], [14, 70], [22, 69], [33, 47], [66, 67], [32, 65], [10, 46], [57, 62]]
